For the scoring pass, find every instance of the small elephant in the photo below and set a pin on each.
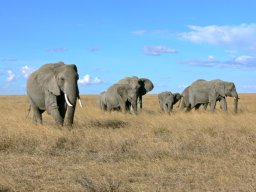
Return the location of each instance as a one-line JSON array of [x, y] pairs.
[[53, 88], [167, 100], [120, 97], [141, 85]]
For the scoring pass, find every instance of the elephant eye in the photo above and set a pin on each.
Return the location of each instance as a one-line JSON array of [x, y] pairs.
[[61, 79]]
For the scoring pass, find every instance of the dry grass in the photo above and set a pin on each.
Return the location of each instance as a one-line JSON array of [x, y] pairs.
[[197, 151]]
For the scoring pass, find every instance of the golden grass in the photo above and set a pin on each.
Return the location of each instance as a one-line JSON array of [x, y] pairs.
[[153, 151]]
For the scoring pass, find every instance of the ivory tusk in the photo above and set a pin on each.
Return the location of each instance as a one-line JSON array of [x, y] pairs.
[[80, 103], [131, 108], [66, 98]]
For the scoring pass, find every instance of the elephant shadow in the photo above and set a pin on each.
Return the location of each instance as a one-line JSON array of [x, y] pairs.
[[107, 124]]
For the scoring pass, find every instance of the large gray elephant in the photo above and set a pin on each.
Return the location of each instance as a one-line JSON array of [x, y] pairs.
[[121, 97], [204, 92], [167, 99], [53, 88], [141, 85]]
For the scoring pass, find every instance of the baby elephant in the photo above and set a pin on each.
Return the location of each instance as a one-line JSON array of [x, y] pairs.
[[167, 99]]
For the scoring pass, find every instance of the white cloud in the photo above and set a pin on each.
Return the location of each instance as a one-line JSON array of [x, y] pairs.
[[139, 32], [10, 76], [26, 71], [86, 79], [158, 50], [241, 62], [242, 37]]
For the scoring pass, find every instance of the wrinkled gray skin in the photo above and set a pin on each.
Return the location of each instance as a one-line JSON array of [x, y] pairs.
[[184, 104], [204, 92], [141, 85], [120, 97], [46, 87], [167, 100]]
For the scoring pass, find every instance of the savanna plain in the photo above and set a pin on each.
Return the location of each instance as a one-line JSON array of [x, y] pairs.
[[108, 152]]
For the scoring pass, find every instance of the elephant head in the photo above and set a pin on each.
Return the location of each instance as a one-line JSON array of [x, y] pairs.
[[60, 80], [129, 96], [227, 89], [145, 86], [176, 97]]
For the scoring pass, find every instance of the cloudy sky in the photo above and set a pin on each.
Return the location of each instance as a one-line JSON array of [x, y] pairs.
[[171, 42]]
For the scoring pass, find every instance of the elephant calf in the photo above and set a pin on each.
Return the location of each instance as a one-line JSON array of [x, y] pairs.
[[167, 100]]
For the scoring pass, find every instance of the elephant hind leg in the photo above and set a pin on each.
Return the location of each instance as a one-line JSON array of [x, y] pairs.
[[37, 115]]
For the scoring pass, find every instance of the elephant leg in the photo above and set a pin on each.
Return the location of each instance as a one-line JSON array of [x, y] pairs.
[[139, 103], [165, 108], [37, 113], [57, 117], [122, 104], [53, 108], [223, 103], [205, 106], [213, 105], [197, 107]]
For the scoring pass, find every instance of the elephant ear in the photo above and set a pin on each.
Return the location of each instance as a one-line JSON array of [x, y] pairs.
[[146, 85], [220, 88], [46, 77]]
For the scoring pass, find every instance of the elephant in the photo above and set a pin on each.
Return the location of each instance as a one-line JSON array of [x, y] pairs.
[[167, 99], [121, 97], [141, 85], [204, 92], [53, 88], [184, 102]]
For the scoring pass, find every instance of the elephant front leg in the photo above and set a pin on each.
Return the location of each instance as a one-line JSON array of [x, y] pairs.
[[213, 104], [52, 108], [223, 103]]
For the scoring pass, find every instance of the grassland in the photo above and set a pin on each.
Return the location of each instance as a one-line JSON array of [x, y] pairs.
[[196, 151]]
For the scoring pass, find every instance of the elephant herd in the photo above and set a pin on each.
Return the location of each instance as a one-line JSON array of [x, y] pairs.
[[53, 88]]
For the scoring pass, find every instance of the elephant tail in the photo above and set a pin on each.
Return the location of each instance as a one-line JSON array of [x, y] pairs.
[[29, 109]]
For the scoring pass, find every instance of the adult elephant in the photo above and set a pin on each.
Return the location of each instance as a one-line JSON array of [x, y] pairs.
[[141, 85], [53, 88], [204, 92], [184, 104], [167, 99], [121, 97]]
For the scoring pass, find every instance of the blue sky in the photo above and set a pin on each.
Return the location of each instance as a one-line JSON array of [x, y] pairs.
[[172, 43]]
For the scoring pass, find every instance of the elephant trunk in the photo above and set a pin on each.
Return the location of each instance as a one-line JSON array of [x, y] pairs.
[[236, 103], [71, 95]]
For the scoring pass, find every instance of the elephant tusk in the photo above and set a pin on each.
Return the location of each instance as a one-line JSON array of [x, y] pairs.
[[80, 103], [131, 108], [66, 98]]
